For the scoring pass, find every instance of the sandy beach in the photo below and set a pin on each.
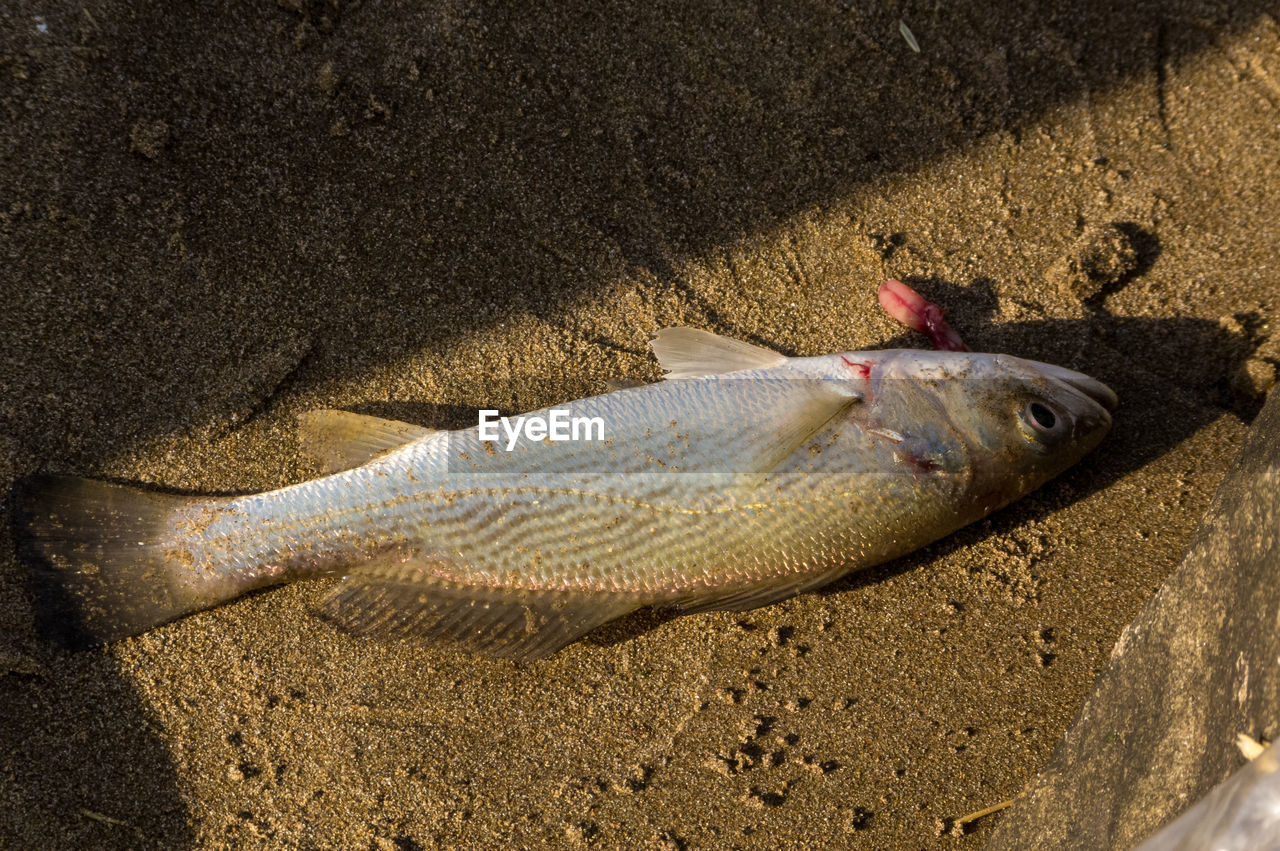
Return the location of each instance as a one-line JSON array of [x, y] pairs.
[[215, 218]]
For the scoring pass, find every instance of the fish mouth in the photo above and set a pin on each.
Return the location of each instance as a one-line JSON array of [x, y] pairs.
[[1092, 388]]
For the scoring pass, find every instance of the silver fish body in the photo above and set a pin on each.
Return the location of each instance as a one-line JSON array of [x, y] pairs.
[[744, 478]]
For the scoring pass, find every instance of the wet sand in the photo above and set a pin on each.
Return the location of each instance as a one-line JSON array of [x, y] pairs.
[[213, 220]]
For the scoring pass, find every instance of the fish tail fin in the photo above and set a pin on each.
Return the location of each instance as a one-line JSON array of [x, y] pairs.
[[99, 568]]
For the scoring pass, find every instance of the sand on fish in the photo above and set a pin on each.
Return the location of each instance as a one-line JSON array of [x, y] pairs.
[[213, 219]]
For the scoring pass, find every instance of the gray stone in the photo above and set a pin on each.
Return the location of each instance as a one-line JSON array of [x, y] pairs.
[[1197, 667]]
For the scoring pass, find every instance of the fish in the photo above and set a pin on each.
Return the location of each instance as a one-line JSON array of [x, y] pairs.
[[744, 477]]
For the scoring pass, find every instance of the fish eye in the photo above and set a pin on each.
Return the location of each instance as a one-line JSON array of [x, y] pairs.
[[1042, 423], [1041, 417]]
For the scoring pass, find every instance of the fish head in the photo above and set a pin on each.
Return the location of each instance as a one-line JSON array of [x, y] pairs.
[[1017, 423]]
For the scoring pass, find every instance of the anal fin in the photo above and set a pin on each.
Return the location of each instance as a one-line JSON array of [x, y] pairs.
[[740, 599], [394, 599]]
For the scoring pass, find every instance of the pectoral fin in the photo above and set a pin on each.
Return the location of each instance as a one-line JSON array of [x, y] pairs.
[[341, 440], [811, 406]]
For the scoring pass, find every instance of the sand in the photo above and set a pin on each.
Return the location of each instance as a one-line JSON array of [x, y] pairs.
[[214, 218]]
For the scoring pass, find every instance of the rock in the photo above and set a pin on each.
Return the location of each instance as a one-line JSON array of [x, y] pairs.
[[1194, 669], [149, 138], [1254, 377]]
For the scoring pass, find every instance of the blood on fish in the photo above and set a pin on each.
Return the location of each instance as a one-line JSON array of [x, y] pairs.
[[921, 463], [863, 369], [913, 310]]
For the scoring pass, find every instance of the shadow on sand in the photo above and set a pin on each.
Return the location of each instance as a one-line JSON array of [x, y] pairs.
[[334, 186]]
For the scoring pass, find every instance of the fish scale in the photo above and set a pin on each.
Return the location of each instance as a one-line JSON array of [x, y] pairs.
[[745, 477]]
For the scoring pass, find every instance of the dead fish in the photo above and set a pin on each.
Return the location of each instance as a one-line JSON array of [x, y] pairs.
[[744, 477]]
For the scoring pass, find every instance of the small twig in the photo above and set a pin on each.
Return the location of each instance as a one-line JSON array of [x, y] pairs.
[[114, 822], [956, 827], [104, 819], [994, 808]]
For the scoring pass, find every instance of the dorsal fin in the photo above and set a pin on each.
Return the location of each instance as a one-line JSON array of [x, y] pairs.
[[693, 353], [341, 440]]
